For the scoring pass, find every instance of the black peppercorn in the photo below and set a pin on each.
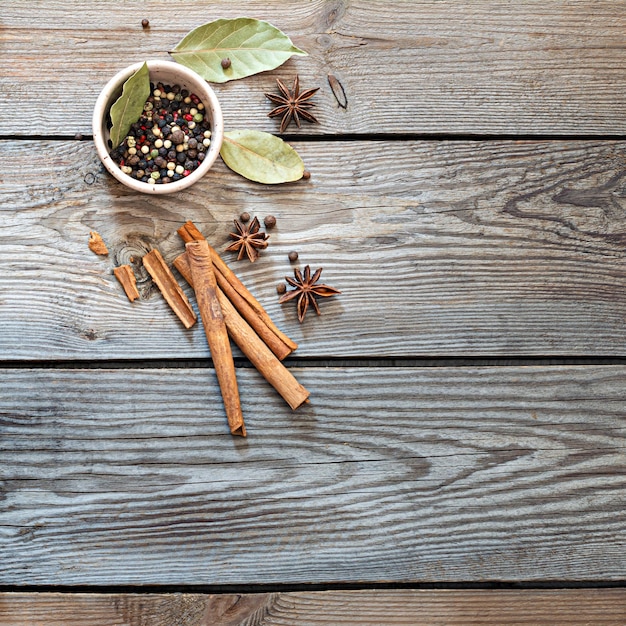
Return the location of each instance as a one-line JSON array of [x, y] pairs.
[[269, 221]]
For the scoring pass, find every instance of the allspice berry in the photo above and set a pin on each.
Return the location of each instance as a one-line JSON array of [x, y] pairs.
[[244, 217], [178, 137], [281, 288], [293, 256], [145, 23], [306, 174], [225, 63], [269, 221]]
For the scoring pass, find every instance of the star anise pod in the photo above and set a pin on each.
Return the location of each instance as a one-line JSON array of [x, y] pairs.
[[306, 290], [248, 239], [292, 105]]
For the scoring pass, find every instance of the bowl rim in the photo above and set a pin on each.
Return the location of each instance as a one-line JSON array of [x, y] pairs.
[[188, 76]]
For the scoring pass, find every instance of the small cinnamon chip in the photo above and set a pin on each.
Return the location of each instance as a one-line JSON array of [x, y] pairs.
[[127, 279], [96, 244], [165, 281]]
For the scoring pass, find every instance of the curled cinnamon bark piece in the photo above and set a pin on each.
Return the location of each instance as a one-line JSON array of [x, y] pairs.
[[205, 287], [165, 281], [126, 277]]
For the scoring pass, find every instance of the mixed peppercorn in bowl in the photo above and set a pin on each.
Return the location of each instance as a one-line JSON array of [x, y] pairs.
[[174, 142]]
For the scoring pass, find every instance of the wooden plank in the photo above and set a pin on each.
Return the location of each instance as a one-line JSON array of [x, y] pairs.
[[566, 607], [122, 477], [466, 248], [488, 66]]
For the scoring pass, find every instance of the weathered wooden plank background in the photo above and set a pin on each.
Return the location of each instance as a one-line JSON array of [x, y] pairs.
[[574, 607], [450, 234], [550, 66], [439, 248], [109, 480]]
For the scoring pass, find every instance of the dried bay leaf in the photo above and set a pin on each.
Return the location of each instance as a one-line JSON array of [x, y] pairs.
[[127, 109], [261, 157], [252, 46]]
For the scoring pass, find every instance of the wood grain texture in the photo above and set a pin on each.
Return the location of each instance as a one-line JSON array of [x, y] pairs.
[[565, 607], [466, 248], [115, 477], [488, 66]]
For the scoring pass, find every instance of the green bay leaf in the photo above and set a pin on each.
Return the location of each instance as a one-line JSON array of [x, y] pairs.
[[252, 46], [127, 109], [261, 157]]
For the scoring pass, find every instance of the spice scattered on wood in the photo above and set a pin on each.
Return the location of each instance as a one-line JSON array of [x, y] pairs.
[[269, 221], [248, 240], [338, 91], [281, 288], [306, 290], [145, 23], [292, 104], [96, 244], [293, 256], [244, 217], [165, 281], [306, 174], [126, 278], [245, 303], [205, 287]]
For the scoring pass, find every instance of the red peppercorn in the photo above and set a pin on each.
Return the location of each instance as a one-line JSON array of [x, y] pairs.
[[188, 117], [186, 173]]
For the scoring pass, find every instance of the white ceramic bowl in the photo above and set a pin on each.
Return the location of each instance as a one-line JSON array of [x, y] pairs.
[[168, 73]]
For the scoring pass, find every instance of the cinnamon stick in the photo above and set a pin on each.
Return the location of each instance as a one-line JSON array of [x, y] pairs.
[[253, 346], [165, 281], [126, 278], [249, 307], [205, 287]]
